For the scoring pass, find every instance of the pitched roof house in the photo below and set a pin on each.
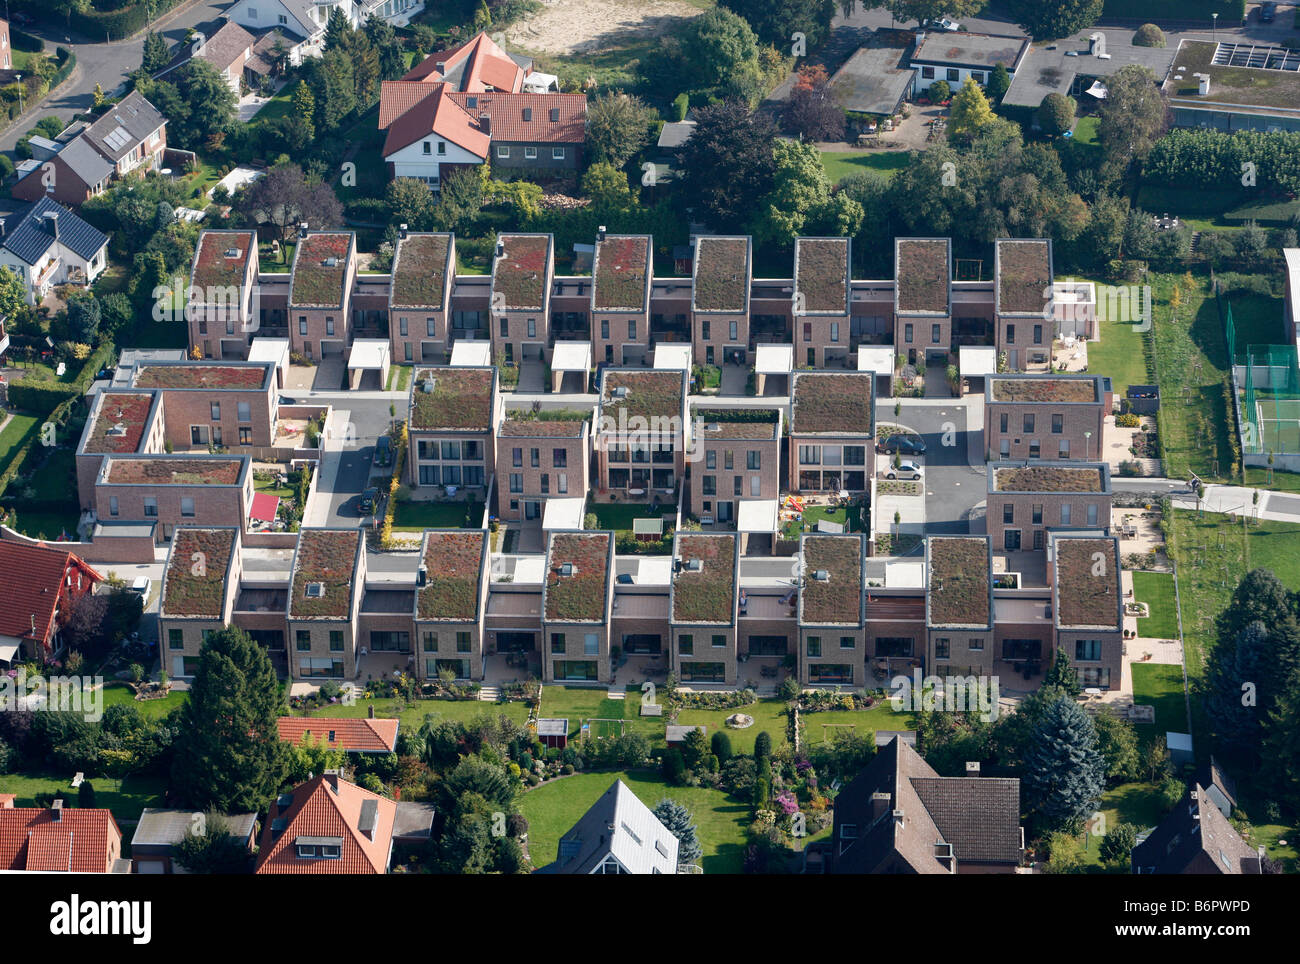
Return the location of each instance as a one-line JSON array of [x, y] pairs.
[[41, 584], [367, 735], [48, 245], [327, 826], [618, 835], [57, 839], [1196, 838], [899, 816], [459, 107]]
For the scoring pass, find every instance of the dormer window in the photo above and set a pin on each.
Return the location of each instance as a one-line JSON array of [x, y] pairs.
[[528, 113], [568, 569], [315, 590], [555, 115], [318, 848]]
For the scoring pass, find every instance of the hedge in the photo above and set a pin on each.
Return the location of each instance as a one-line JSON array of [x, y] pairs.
[[21, 40], [67, 62], [118, 24], [40, 394]]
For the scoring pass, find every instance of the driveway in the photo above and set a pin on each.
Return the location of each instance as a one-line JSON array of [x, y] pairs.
[[953, 488]]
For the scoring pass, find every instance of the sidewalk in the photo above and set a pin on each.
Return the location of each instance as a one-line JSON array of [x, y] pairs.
[[1239, 500]]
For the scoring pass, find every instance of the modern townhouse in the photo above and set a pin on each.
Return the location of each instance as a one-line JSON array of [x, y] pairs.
[[831, 609], [735, 458], [174, 490], [419, 302], [522, 271], [1024, 322], [119, 423], [542, 454], [832, 431], [200, 582], [959, 611], [720, 289], [452, 420], [1026, 500], [823, 335], [451, 602], [622, 276], [704, 606], [1088, 605], [327, 583], [642, 433], [320, 291], [1044, 416], [232, 404], [577, 601], [221, 307], [922, 299]]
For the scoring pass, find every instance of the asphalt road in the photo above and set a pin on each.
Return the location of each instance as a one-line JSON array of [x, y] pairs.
[[106, 64], [952, 487]]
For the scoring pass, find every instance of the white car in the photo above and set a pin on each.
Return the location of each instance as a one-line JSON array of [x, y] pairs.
[[142, 585], [906, 470], [943, 23]]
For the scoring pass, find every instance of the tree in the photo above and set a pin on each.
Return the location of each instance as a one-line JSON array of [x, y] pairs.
[[618, 127], [1149, 35], [410, 202], [727, 164], [1280, 751], [303, 107], [801, 201], [1118, 844], [197, 102], [69, 7], [209, 847], [1060, 18], [1062, 674], [336, 28], [811, 110], [674, 767], [311, 756], [156, 56], [1238, 694], [382, 36], [721, 746], [776, 22], [83, 317], [719, 53], [86, 796], [1056, 114], [1132, 117], [999, 83], [228, 750], [1064, 772], [940, 91], [970, 111], [459, 200], [356, 46], [334, 87], [606, 185], [284, 198], [762, 745], [679, 821], [1118, 742], [905, 11], [13, 293]]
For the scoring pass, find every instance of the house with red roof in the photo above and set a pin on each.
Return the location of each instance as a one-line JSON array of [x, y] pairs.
[[54, 839], [328, 826], [41, 584], [367, 735], [477, 102]]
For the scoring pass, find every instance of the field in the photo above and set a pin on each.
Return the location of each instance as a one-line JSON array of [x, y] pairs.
[[840, 164], [1156, 589], [554, 807]]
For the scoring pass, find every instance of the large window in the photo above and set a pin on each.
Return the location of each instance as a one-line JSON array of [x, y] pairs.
[[390, 641], [575, 669], [1019, 649], [894, 645], [704, 672], [831, 673], [1087, 650]]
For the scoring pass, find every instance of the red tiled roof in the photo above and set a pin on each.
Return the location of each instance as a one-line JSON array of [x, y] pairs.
[[79, 841], [435, 113], [355, 736], [319, 810], [32, 578], [506, 112], [486, 65]]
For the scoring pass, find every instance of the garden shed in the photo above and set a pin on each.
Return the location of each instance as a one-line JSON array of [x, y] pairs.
[[553, 732]]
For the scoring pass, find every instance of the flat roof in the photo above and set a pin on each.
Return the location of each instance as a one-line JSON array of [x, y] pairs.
[[873, 80], [571, 356], [369, 353], [578, 566], [1087, 594], [830, 590], [976, 362], [118, 423], [757, 515], [773, 359], [827, 403], [969, 49], [272, 350], [960, 581], [453, 562], [707, 593], [1231, 81], [677, 357], [471, 354], [520, 273], [1046, 477], [563, 513], [1047, 389], [202, 376], [721, 274], [458, 399], [878, 359], [1044, 71], [821, 276]]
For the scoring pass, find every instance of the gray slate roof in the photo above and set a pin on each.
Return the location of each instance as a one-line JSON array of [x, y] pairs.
[[30, 238], [124, 126], [1195, 839], [618, 824], [85, 162]]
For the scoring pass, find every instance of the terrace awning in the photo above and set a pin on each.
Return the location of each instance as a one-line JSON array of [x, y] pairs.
[[471, 354], [879, 359], [369, 353], [673, 357], [571, 356], [774, 359], [975, 362], [265, 506], [563, 514]]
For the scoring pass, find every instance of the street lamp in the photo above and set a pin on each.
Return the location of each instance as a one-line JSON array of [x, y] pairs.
[[18, 79], [1214, 24]]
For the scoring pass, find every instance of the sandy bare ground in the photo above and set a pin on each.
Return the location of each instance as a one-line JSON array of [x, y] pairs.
[[568, 27]]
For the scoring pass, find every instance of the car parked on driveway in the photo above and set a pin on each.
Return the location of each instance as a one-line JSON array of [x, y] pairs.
[[905, 470], [383, 450], [1267, 12], [902, 444], [368, 502]]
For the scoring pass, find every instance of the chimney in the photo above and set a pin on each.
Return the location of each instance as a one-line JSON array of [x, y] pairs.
[[51, 219], [332, 779], [879, 805], [371, 712], [972, 768], [600, 233], [2, 227], [501, 248], [485, 124], [302, 229], [422, 575], [56, 809], [401, 231]]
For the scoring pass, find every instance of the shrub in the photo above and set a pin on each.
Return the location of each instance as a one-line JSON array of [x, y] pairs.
[[940, 90], [762, 745], [1127, 420], [1056, 113], [6, 166], [674, 768], [1149, 35], [86, 795], [721, 746], [681, 104], [789, 688]]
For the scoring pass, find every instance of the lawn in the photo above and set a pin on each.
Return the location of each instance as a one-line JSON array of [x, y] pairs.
[[1282, 481], [813, 514], [1161, 685], [840, 164], [413, 715], [1120, 355], [125, 797], [1192, 368], [554, 807], [1135, 803], [577, 704], [1156, 589], [43, 523], [119, 694], [416, 516], [1085, 131], [273, 487], [618, 516], [14, 434], [399, 377], [818, 728]]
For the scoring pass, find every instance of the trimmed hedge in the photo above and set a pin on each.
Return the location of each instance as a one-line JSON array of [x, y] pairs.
[[21, 40], [118, 24], [40, 394]]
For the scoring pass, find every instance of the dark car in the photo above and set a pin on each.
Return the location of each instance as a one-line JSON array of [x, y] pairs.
[[902, 444], [368, 502], [383, 450], [1267, 12]]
